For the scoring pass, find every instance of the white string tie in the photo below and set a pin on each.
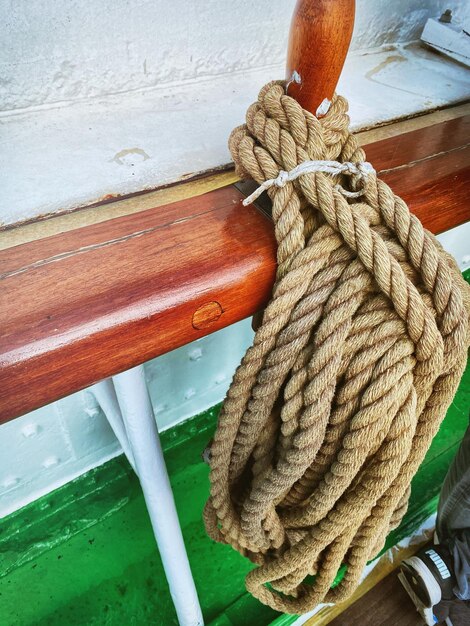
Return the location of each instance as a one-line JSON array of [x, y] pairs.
[[362, 170]]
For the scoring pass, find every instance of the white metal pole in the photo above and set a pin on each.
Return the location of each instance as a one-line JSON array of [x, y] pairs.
[[141, 428], [105, 395]]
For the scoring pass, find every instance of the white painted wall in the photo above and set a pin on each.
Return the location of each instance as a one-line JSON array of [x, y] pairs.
[[101, 98], [62, 52]]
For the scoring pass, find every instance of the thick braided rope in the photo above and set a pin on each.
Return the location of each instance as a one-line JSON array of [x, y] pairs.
[[358, 357]]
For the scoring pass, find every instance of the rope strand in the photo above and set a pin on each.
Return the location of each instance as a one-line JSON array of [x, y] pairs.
[[358, 357]]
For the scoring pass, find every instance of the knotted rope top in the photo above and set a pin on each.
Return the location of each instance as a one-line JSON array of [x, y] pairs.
[[359, 354]]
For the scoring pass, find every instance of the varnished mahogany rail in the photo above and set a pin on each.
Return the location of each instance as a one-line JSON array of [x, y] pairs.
[[83, 305]]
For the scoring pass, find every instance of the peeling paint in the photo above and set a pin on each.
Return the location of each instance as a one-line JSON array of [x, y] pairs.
[[395, 58], [130, 157]]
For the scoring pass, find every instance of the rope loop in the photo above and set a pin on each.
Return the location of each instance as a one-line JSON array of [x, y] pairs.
[[357, 358]]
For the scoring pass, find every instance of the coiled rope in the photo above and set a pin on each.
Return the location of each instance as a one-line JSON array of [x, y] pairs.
[[359, 354]]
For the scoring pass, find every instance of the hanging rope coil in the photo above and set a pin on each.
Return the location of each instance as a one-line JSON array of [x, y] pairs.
[[359, 354]]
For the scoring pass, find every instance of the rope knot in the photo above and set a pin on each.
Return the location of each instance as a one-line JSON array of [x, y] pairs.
[[281, 179], [362, 170]]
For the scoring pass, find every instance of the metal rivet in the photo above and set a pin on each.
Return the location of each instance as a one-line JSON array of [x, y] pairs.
[[195, 354], [10, 481], [189, 393], [51, 461], [29, 430]]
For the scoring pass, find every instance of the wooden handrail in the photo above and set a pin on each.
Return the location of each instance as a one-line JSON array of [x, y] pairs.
[[86, 304]]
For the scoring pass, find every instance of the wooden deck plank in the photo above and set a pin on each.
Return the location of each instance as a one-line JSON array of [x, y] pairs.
[[387, 604], [82, 305]]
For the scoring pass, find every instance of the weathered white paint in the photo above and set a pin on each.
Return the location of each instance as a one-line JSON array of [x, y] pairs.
[[80, 50], [448, 39], [48, 447], [100, 98]]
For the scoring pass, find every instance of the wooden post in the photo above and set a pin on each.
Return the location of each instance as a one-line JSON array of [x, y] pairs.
[[319, 39]]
